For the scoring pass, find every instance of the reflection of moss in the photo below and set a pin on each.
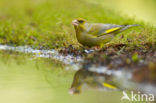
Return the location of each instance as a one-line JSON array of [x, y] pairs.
[[20, 58], [47, 24], [135, 58], [32, 80], [145, 74], [8, 57]]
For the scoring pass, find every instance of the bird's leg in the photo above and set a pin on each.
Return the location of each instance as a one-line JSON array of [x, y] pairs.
[[96, 47]]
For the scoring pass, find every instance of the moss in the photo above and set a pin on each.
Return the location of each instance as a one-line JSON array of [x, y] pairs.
[[47, 23]]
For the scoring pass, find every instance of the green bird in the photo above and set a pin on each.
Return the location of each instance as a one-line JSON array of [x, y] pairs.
[[96, 34], [84, 79]]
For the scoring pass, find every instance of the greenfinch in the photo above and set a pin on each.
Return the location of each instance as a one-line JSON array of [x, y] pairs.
[[84, 79], [96, 34]]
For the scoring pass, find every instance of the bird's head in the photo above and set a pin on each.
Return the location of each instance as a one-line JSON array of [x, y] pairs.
[[79, 22]]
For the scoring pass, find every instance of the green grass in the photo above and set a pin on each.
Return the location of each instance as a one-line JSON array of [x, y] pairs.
[[47, 23]]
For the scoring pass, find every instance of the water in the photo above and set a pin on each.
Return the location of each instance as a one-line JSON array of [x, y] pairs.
[[27, 79], [69, 59], [29, 73]]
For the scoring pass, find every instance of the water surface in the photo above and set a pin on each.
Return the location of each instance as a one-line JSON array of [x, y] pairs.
[[27, 79]]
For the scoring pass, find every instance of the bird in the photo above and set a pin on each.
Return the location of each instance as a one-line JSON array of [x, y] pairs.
[[96, 34], [85, 79]]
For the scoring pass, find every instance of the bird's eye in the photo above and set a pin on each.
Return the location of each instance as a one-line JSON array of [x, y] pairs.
[[81, 21]]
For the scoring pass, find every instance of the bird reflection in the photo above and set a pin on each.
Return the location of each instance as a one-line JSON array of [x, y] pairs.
[[84, 79]]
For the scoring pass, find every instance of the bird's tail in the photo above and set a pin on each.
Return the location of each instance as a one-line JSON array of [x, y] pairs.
[[133, 25], [128, 26]]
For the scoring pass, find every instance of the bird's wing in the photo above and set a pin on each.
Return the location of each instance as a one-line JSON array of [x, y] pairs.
[[102, 29], [109, 86]]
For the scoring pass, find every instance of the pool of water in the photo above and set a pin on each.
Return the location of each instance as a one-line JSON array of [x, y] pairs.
[[27, 79], [36, 76]]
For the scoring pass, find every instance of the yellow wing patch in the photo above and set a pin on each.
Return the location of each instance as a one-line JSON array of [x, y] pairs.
[[112, 30], [109, 86]]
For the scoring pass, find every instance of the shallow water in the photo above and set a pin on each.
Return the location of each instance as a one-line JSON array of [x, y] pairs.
[[30, 73], [25, 79]]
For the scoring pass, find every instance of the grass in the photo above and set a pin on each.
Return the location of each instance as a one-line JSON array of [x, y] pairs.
[[47, 23]]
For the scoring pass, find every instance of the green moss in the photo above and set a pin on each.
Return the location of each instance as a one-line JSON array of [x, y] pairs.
[[47, 23]]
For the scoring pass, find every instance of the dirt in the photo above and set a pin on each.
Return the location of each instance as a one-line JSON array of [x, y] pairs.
[[139, 60]]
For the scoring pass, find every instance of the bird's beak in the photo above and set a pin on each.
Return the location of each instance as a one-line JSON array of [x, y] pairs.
[[73, 91], [75, 22]]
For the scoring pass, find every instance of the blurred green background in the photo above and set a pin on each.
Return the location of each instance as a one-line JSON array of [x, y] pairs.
[[139, 9]]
